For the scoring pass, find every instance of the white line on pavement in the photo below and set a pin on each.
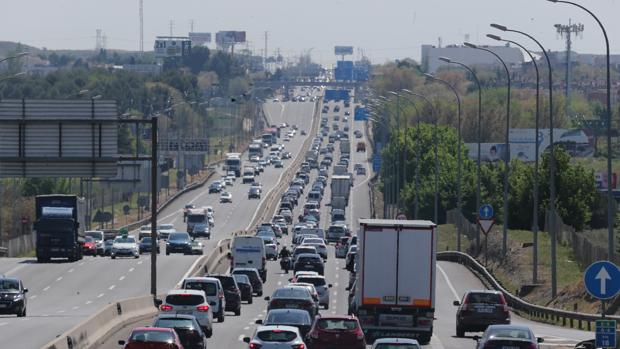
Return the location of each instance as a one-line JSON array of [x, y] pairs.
[[46, 288], [121, 278], [100, 295], [59, 278], [70, 270], [131, 269], [456, 295], [111, 287], [88, 302]]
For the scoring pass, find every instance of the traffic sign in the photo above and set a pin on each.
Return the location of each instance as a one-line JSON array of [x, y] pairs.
[[401, 216], [485, 211], [486, 225], [602, 280], [605, 333]]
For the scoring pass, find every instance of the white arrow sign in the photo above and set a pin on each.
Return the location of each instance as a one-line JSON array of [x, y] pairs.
[[603, 276]]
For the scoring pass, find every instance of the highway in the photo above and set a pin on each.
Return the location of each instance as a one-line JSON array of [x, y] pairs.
[[63, 294]]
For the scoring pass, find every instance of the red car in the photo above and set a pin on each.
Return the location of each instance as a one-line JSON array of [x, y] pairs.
[[342, 332], [90, 246], [152, 338]]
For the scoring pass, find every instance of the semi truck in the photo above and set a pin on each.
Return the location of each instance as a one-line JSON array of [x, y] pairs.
[[59, 226], [233, 163], [341, 188], [394, 290]]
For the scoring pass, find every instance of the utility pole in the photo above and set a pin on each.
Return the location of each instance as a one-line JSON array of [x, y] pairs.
[[171, 24], [141, 27], [568, 31], [266, 42]]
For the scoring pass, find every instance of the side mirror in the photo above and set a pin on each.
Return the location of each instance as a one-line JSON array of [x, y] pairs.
[[348, 289], [267, 298], [540, 339], [258, 322], [246, 339], [25, 290], [330, 285], [476, 338], [157, 302], [456, 303], [229, 255], [121, 342]]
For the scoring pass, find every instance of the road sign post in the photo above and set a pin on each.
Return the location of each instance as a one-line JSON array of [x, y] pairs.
[[605, 333], [485, 222], [602, 281]]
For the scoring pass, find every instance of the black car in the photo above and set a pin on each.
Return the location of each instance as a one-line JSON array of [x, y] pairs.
[[232, 294], [145, 245], [189, 331], [288, 317], [179, 242], [12, 296], [202, 229], [254, 193], [245, 286], [479, 309], [309, 262], [297, 297], [215, 187], [255, 279]]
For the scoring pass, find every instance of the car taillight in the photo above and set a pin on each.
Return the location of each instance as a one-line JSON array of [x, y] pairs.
[[165, 307], [359, 333], [202, 308], [504, 304], [221, 295], [299, 346], [255, 345], [532, 346]]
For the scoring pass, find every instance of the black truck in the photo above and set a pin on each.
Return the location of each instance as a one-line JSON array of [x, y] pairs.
[[59, 227]]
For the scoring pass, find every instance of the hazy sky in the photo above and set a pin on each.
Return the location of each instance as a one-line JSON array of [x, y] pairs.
[[384, 29]]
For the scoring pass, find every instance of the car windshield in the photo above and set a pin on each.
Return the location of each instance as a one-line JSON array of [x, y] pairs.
[[396, 346], [287, 317], [9, 285], [178, 237], [209, 288], [509, 333], [196, 218], [336, 324], [252, 275], [166, 227], [146, 240], [296, 292], [125, 240], [174, 323], [484, 298], [152, 336], [184, 299], [276, 336], [314, 281]]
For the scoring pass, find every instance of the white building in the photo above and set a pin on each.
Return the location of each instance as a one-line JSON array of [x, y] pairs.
[[469, 56]]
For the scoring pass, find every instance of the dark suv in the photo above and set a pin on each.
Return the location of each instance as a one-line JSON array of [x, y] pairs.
[[12, 296], [232, 293], [309, 262], [479, 309], [255, 280]]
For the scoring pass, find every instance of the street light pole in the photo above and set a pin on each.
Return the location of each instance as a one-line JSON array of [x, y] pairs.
[[416, 203], [610, 207], [507, 146], [478, 162], [537, 149], [551, 224], [458, 181], [401, 161]]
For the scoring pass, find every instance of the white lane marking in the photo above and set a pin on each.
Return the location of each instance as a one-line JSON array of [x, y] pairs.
[[3, 323], [246, 328], [131, 269], [13, 270], [100, 295], [76, 307], [140, 262], [111, 287], [121, 278], [252, 322], [70, 270], [264, 310], [280, 282], [81, 264], [436, 343], [241, 337], [60, 311], [88, 302], [46, 288], [33, 297], [59, 278], [335, 293], [456, 295]]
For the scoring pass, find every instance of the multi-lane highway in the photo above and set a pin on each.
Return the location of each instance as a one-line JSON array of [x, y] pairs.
[[63, 294]]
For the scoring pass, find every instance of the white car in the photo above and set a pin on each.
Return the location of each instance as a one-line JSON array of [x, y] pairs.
[[189, 302], [214, 291], [321, 286], [231, 177], [165, 230], [229, 181], [276, 337], [271, 247], [254, 158], [125, 246], [401, 343], [225, 197]]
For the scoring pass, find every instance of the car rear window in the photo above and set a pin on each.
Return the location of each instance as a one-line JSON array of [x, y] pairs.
[[228, 282], [509, 333], [314, 281], [278, 317], [184, 299], [485, 298], [174, 323], [396, 346], [249, 273], [291, 293], [336, 324], [276, 336], [308, 259], [209, 288], [152, 336]]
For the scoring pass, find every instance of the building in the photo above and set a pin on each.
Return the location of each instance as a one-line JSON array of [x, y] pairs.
[[468, 56]]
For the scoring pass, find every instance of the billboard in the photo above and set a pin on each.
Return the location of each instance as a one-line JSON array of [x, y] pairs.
[[497, 151], [199, 39], [337, 95], [187, 146], [230, 37], [172, 47], [343, 50]]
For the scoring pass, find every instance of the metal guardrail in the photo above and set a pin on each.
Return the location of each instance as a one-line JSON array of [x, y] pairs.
[[536, 312], [4, 251]]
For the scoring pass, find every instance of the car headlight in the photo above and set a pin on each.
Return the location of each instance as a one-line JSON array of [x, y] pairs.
[[18, 296]]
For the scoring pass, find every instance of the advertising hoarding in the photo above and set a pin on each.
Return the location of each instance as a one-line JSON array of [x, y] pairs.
[[188, 146], [199, 39], [169, 47], [230, 37], [343, 50]]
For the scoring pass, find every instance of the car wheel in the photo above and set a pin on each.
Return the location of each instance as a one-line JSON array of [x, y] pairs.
[[113, 257], [326, 306], [167, 253], [221, 317], [208, 332], [22, 313], [238, 311], [460, 332], [260, 293], [250, 300]]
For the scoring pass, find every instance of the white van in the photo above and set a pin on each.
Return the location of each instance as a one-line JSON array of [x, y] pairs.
[[249, 252]]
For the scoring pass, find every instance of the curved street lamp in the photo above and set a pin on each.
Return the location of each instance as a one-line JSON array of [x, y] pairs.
[[507, 146], [458, 181]]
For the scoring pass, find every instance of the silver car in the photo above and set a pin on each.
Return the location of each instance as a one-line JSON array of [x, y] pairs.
[[276, 337], [189, 302], [321, 286]]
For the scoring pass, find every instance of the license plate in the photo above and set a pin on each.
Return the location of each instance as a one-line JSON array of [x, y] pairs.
[[309, 266], [486, 310], [292, 306], [185, 312], [3, 305]]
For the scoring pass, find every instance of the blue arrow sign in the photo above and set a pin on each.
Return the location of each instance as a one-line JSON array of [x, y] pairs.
[[602, 280], [485, 212]]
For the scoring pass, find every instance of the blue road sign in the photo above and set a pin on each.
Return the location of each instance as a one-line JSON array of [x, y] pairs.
[[376, 162], [605, 333], [602, 280], [485, 212]]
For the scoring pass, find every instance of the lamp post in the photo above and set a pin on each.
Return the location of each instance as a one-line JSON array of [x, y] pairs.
[[478, 162], [506, 145], [396, 164], [435, 141], [458, 181], [387, 190], [610, 207], [551, 161], [401, 160], [537, 147], [416, 202]]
